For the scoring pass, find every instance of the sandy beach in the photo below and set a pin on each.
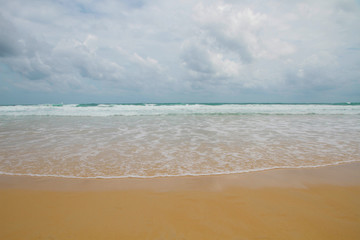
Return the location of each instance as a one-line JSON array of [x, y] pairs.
[[308, 203], [191, 120]]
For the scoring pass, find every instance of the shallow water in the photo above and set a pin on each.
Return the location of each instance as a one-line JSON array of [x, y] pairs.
[[166, 140]]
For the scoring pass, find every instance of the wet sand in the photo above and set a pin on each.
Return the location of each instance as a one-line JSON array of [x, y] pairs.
[[311, 203]]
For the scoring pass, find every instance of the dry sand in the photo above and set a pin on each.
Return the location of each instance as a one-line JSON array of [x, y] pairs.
[[313, 203]]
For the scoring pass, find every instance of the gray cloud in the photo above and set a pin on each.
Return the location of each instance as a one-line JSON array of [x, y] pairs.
[[296, 49], [8, 39], [172, 51]]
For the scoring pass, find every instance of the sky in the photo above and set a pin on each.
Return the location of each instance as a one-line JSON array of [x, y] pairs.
[[127, 51]]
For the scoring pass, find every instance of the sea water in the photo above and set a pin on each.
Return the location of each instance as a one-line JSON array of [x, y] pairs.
[[151, 140]]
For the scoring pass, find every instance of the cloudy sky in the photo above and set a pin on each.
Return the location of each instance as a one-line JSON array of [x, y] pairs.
[[77, 51]]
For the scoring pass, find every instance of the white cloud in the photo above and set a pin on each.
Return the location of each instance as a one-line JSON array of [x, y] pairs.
[[176, 48], [265, 49]]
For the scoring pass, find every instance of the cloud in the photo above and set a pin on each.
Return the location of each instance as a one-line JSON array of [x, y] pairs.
[[73, 63], [8, 39], [295, 48], [174, 50], [231, 46]]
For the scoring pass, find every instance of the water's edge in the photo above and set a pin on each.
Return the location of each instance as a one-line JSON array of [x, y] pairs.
[[184, 175]]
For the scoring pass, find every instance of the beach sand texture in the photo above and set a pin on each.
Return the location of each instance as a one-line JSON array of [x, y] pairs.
[[313, 203]]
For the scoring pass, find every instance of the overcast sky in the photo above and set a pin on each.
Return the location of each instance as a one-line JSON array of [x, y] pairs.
[[80, 51]]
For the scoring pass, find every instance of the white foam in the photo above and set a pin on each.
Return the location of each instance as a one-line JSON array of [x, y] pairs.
[[187, 109], [177, 175], [176, 145]]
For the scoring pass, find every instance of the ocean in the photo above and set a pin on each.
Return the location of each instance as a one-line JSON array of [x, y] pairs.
[[153, 140]]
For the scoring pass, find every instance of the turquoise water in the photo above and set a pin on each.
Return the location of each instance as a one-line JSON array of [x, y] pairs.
[[150, 140]]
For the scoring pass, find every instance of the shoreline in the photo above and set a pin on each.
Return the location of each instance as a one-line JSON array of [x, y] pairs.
[[343, 174], [305, 203], [185, 175]]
